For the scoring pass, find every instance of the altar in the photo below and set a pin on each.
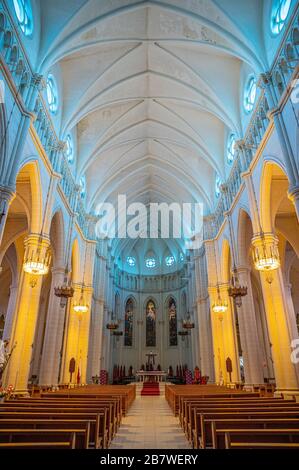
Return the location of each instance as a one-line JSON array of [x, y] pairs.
[[151, 375]]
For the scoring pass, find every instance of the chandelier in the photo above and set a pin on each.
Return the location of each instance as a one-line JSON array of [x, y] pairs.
[[265, 254], [187, 324], [117, 333], [112, 326], [81, 306], [235, 290], [219, 305], [37, 257], [65, 291], [183, 333]]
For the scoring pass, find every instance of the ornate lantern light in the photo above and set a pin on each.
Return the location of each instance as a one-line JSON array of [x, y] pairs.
[[112, 326], [37, 259], [219, 306], [81, 306], [37, 255], [187, 323], [265, 254], [235, 290], [65, 291]]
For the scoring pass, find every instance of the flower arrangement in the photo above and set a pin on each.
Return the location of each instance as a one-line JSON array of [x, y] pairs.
[[6, 392]]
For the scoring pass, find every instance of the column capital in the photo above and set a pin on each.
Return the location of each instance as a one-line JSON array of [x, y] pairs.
[[293, 194], [38, 81], [264, 239], [265, 80]]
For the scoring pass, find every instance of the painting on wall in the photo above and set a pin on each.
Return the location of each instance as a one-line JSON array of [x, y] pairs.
[[172, 318], [150, 324], [128, 340]]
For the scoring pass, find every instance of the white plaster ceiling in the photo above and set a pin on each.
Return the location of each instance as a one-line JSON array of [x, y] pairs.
[[150, 91]]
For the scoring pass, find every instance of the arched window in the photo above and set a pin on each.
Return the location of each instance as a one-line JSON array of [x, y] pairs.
[[169, 260], [250, 94], [218, 183], [69, 149], [150, 324], [129, 310], [131, 261], [172, 321], [52, 95], [231, 148], [279, 14], [24, 15], [82, 184]]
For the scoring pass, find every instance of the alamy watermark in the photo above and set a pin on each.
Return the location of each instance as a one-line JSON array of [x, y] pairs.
[[155, 220]]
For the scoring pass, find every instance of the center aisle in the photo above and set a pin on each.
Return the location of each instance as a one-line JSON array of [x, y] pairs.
[[150, 424]]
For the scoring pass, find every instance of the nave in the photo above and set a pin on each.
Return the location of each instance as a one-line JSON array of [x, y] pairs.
[[122, 123], [180, 417]]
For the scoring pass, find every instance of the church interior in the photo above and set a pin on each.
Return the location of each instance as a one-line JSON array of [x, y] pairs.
[[149, 224]]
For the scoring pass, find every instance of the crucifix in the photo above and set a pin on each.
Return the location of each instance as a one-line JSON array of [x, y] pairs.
[[151, 359]]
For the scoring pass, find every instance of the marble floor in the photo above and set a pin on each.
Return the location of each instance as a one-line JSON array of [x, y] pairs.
[[150, 424]]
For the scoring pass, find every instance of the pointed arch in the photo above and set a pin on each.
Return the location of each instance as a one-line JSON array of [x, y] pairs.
[[151, 317], [129, 322], [172, 319]]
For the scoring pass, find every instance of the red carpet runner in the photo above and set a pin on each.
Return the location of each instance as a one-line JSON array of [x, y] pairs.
[[150, 389]]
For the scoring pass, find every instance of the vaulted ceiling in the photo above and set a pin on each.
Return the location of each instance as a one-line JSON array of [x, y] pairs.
[[151, 90]]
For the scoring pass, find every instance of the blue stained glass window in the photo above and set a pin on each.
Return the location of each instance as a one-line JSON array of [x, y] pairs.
[[231, 148], [150, 263], [82, 184], [131, 261], [52, 95], [169, 260], [69, 149], [218, 183], [24, 15], [280, 11], [250, 94]]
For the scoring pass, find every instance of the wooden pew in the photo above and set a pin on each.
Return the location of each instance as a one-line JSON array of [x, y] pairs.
[[77, 437], [219, 427], [98, 431], [111, 407], [187, 415], [36, 445], [38, 424], [202, 432], [261, 438], [66, 408]]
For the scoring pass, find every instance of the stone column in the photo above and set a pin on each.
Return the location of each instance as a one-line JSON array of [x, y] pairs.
[[253, 363], [25, 319], [83, 340], [206, 353], [97, 320], [279, 326], [11, 308], [49, 368], [6, 197], [224, 338]]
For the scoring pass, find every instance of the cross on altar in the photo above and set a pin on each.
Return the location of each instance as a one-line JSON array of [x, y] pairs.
[[151, 358]]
